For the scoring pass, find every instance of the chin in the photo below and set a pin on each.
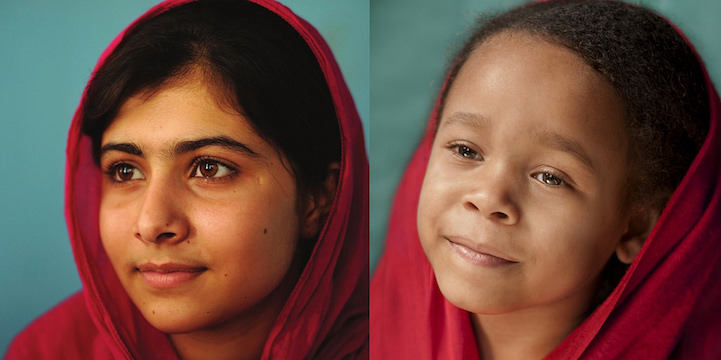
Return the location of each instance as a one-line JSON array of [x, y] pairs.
[[478, 306], [178, 326], [475, 300], [175, 320]]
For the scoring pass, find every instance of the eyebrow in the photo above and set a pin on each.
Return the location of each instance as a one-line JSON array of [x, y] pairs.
[[129, 148], [465, 119], [185, 146], [560, 143], [222, 141]]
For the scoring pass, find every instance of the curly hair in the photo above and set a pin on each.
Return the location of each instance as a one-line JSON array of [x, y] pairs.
[[652, 68]]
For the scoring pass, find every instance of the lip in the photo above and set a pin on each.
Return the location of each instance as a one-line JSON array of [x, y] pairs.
[[479, 254], [169, 275]]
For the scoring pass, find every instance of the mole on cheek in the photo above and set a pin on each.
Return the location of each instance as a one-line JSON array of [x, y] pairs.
[[265, 231]]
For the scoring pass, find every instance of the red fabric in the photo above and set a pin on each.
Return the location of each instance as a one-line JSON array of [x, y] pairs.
[[668, 305], [325, 317]]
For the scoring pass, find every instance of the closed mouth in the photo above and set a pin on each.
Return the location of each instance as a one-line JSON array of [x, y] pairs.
[[169, 275], [480, 254], [169, 268]]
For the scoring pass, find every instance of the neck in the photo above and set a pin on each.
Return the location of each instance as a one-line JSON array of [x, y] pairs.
[[530, 333], [242, 337], [240, 340]]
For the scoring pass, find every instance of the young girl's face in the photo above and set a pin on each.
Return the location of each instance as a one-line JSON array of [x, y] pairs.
[[198, 213], [521, 205]]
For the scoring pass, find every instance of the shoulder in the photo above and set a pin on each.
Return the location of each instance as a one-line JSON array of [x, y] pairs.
[[66, 330]]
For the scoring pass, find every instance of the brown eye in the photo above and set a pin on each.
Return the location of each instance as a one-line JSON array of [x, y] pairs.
[[549, 179], [465, 152], [126, 172], [208, 168]]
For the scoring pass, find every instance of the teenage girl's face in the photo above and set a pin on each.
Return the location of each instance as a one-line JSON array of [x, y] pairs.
[[198, 213], [521, 202]]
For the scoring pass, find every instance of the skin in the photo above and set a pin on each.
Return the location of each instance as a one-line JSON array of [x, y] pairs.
[[228, 212], [522, 202]]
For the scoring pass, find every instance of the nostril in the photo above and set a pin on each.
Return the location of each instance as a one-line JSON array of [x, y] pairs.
[[159, 238], [486, 209], [500, 215], [471, 206], [166, 235]]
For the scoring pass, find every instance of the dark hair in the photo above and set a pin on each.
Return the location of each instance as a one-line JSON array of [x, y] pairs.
[[261, 66], [652, 69]]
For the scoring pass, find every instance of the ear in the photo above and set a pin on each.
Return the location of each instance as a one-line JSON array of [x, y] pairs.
[[318, 203], [640, 225]]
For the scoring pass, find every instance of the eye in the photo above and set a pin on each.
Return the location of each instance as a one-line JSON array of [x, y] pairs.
[[465, 151], [123, 172], [549, 179], [209, 168]]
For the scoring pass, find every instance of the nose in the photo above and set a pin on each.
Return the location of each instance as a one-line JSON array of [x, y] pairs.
[[492, 196], [161, 217]]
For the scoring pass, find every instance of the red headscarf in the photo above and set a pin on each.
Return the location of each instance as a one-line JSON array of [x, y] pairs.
[[668, 304], [326, 316]]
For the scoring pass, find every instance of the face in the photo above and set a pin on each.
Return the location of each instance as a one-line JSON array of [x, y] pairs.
[[198, 213], [521, 202]]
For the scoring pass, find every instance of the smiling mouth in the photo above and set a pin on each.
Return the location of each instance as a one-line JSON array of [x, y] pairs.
[[484, 257], [169, 275]]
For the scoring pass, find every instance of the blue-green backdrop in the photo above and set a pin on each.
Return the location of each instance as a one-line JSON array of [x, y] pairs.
[[48, 48], [411, 44], [47, 51]]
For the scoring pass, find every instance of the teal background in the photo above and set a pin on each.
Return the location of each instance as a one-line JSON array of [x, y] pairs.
[[411, 44], [47, 51]]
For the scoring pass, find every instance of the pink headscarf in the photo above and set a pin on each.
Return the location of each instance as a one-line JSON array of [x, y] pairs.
[[326, 316], [668, 304]]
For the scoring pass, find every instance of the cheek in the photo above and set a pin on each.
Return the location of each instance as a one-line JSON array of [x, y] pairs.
[[575, 245], [430, 200], [116, 229], [250, 250], [249, 234], [439, 211]]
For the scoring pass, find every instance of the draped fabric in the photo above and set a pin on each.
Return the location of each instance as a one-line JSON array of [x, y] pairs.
[[668, 304], [326, 315]]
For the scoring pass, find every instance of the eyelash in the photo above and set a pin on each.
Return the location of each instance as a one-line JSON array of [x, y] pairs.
[[209, 160], [554, 175], [112, 170], [459, 150], [462, 149]]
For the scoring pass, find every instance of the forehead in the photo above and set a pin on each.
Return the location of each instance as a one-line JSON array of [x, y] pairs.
[[532, 62], [516, 74], [183, 116], [190, 106], [527, 91]]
